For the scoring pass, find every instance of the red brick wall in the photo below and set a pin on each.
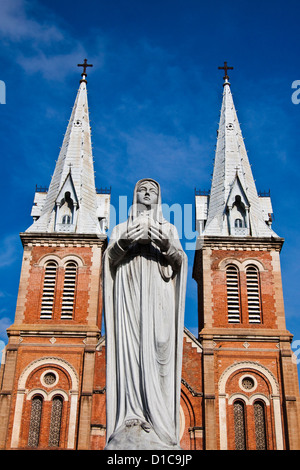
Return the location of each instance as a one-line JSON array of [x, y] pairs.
[[219, 291], [191, 396], [27, 354], [264, 388], [34, 382], [36, 280], [98, 420], [244, 342]]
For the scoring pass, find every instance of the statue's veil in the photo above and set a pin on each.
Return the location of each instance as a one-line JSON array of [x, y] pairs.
[[157, 212]]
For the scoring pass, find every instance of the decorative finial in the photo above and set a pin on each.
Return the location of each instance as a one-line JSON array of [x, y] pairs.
[[84, 74], [225, 68]]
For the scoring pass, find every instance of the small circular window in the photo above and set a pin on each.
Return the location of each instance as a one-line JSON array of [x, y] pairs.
[[49, 378], [247, 383]]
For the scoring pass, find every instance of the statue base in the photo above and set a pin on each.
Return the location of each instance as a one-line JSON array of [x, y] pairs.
[[138, 436]]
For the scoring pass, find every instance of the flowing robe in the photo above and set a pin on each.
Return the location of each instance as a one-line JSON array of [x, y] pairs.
[[144, 294]]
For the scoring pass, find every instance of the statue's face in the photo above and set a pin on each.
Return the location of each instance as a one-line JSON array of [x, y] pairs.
[[147, 193]]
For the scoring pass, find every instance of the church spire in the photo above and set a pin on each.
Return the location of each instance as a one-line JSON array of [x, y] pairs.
[[70, 204], [234, 206]]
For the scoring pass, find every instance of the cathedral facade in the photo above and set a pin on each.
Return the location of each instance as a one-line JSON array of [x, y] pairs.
[[239, 386]]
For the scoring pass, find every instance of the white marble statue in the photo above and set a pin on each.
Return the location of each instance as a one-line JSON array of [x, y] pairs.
[[145, 273]]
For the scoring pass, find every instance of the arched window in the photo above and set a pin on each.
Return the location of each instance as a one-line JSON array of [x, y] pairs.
[[253, 293], [48, 290], [66, 219], [238, 223], [239, 425], [238, 217], [55, 422], [233, 294], [66, 209], [69, 290], [35, 421], [260, 425]]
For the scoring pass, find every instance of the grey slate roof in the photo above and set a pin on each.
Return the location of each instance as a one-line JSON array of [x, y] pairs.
[[74, 173], [232, 175]]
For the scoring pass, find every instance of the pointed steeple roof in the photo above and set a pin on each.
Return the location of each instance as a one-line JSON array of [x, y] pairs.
[[72, 191], [233, 181]]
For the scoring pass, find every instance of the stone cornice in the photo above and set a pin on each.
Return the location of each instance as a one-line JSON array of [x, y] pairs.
[[58, 238], [62, 329], [242, 334], [239, 243]]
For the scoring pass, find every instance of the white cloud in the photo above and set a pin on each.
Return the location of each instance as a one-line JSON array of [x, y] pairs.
[[5, 323], [153, 152], [2, 346], [53, 67], [8, 251], [194, 330], [16, 25], [40, 45]]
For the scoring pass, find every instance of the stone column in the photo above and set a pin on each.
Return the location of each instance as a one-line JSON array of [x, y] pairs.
[[209, 395], [291, 396], [6, 392], [84, 431]]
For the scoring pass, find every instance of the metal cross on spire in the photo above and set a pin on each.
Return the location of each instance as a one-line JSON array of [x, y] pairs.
[[225, 68], [84, 65]]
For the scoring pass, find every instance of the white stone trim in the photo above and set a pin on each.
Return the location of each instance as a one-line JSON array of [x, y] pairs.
[[72, 419], [17, 419], [222, 421], [228, 261], [238, 396], [50, 257], [60, 261], [277, 419], [182, 422], [248, 400], [259, 396], [241, 265], [77, 259], [248, 365], [254, 262], [57, 392], [45, 361], [47, 396], [37, 391], [194, 343]]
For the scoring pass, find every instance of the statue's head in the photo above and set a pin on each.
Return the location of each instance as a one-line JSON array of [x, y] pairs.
[[147, 193], [146, 197]]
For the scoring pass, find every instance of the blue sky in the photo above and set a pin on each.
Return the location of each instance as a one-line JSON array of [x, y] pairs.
[[154, 94]]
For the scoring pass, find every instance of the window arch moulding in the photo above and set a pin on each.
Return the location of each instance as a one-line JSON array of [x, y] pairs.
[[36, 392], [61, 261], [241, 265], [248, 365], [274, 397], [49, 361], [73, 258], [47, 396], [223, 265], [49, 258], [73, 393], [248, 400]]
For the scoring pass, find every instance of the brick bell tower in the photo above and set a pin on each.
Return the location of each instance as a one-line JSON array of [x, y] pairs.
[[47, 382], [250, 382]]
